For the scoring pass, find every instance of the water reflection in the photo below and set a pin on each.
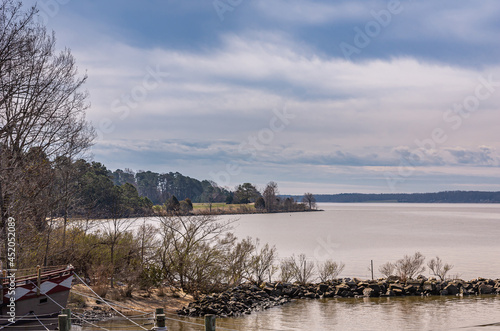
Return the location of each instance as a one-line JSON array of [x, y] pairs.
[[405, 313]]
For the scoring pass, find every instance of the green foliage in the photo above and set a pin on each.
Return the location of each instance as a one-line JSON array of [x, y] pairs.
[[173, 204], [260, 204], [245, 193], [151, 276]]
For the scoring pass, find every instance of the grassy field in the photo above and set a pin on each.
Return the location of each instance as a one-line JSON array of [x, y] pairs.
[[220, 206]]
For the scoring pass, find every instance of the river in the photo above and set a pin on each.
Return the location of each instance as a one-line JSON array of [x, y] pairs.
[[465, 235]]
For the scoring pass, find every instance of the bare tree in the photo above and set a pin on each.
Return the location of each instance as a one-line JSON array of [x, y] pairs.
[[42, 107], [309, 200], [286, 270], [303, 270], [329, 270], [262, 261], [410, 266], [236, 258], [387, 269], [439, 269], [187, 248], [146, 238], [270, 195]]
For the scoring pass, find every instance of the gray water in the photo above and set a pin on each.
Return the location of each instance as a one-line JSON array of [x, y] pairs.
[[465, 235]]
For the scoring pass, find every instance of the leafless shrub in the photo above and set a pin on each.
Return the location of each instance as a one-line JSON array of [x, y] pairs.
[[286, 270], [410, 266], [437, 268], [329, 270], [387, 269], [262, 261], [303, 270]]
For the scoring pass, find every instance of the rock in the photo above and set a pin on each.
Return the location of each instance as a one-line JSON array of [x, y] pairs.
[[486, 289], [323, 288], [389, 293], [452, 289], [429, 286], [310, 295], [410, 289], [392, 279], [369, 292]]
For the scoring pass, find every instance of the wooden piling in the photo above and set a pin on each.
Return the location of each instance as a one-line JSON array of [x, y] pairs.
[[63, 322], [209, 322], [160, 320], [67, 312]]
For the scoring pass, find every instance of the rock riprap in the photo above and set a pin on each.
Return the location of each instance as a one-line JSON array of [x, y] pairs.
[[246, 298]]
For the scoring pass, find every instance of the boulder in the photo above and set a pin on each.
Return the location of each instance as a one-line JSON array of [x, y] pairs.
[[323, 288], [429, 286], [452, 289], [370, 293], [486, 289]]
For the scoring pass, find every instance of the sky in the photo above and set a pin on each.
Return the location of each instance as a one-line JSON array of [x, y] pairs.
[[318, 96]]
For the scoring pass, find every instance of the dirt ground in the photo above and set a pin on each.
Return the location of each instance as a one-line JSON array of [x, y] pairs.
[[146, 301]]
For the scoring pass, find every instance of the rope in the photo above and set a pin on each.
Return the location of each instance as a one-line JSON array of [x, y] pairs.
[[46, 328], [94, 325], [3, 327], [202, 325], [57, 303], [112, 303], [108, 303]]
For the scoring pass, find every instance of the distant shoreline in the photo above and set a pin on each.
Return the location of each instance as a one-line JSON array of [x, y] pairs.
[[438, 197]]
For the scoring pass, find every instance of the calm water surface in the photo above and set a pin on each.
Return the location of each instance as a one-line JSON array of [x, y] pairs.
[[465, 235]]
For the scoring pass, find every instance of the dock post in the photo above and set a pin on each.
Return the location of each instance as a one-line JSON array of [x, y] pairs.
[[67, 312], [372, 268], [209, 322], [63, 322], [160, 320]]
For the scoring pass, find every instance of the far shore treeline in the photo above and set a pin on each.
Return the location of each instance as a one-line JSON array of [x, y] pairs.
[[93, 191], [438, 197]]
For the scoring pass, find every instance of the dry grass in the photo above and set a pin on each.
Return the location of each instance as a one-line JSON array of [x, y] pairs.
[[142, 300]]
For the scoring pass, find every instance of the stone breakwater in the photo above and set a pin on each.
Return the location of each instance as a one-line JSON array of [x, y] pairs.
[[246, 298]]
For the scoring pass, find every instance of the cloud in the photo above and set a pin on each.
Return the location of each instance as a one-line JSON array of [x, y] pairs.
[[219, 83], [482, 156]]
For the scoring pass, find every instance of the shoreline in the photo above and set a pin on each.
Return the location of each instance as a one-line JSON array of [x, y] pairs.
[[248, 298]]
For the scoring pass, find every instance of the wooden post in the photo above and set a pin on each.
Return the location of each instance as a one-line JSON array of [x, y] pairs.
[[67, 312], [160, 320], [209, 322], [372, 269], [38, 279], [63, 322]]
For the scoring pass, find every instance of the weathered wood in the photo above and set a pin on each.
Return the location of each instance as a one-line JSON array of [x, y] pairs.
[[63, 322], [67, 312], [160, 320], [209, 322]]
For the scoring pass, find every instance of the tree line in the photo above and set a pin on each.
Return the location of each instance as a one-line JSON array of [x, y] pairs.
[[438, 197]]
